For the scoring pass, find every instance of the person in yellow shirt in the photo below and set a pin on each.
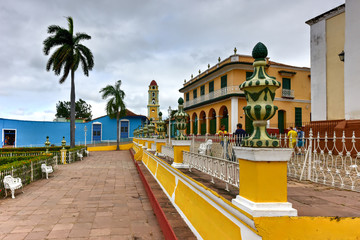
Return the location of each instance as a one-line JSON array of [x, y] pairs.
[[222, 133], [292, 134]]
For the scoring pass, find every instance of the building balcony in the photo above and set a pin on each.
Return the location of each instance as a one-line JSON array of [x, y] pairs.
[[213, 95], [288, 93]]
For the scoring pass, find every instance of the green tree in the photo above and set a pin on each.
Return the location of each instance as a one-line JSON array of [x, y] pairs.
[[115, 106], [66, 59], [82, 109]]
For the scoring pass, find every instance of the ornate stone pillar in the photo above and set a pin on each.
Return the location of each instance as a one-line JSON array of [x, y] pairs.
[[262, 166], [181, 142]]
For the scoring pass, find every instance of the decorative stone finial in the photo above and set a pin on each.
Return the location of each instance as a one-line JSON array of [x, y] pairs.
[[47, 144], [180, 118], [151, 128], [208, 65], [235, 50], [192, 76], [63, 143], [259, 91], [219, 59], [161, 127], [184, 80], [199, 71], [259, 52]]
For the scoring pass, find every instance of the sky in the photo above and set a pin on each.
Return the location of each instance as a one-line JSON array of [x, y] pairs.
[[136, 41]]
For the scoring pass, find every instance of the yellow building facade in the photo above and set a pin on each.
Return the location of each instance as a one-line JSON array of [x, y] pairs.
[[213, 98]]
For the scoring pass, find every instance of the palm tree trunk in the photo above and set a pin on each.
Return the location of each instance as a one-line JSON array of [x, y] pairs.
[[72, 111], [118, 130]]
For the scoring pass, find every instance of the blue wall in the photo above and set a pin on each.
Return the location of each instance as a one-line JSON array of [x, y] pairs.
[[33, 133]]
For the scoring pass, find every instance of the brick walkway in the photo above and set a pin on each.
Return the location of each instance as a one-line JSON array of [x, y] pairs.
[[101, 197]]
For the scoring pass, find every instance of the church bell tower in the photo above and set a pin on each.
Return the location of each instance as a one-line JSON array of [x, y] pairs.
[[153, 102]]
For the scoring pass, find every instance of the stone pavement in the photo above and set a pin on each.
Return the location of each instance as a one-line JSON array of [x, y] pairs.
[[101, 197]]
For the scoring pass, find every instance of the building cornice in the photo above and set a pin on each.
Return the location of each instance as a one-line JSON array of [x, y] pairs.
[[326, 15]]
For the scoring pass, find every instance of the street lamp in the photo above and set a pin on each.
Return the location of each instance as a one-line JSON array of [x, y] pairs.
[[85, 130], [169, 111], [342, 56]]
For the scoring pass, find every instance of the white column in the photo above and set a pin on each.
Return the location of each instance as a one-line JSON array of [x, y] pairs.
[[234, 114], [318, 71], [352, 53]]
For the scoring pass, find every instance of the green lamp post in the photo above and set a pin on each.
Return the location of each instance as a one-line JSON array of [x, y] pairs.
[[259, 91], [47, 144], [161, 127], [180, 120]]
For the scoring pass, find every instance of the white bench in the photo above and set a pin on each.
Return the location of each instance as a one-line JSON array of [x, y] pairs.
[[205, 147], [79, 155], [12, 184], [46, 169]]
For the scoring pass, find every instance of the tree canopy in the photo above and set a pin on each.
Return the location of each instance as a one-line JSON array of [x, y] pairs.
[[82, 109]]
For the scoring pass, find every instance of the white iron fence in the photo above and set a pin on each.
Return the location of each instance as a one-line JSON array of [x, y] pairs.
[[331, 160], [219, 168]]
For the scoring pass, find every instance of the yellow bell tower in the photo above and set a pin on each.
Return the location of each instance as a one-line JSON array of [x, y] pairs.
[[153, 102]]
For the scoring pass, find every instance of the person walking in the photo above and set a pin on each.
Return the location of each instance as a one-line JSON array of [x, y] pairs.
[[222, 133], [239, 134], [292, 137], [300, 140]]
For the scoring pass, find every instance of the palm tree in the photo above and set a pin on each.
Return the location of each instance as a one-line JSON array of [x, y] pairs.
[[115, 107], [66, 59]]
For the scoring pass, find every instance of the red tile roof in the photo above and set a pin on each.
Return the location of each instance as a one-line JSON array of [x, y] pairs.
[[153, 83]]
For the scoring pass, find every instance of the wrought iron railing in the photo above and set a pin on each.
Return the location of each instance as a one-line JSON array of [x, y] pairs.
[[218, 168], [288, 93]]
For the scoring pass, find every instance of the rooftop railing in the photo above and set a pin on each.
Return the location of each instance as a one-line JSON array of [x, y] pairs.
[[218, 93]]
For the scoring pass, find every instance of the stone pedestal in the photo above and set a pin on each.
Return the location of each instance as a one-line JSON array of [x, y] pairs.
[[149, 143], [63, 155], [263, 181], [159, 143], [180, 146]]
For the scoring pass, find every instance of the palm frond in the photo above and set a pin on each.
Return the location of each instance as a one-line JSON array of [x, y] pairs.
[[81, 36], [71, 25], [53, 29], [65, 74], [87, 54]]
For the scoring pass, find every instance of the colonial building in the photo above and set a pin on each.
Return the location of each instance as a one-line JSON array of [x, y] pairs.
[[21, 133], [213, 98], [334, 63], [153, 101]]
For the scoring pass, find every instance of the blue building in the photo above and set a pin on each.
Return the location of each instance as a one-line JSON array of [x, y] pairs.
[[21, 133]]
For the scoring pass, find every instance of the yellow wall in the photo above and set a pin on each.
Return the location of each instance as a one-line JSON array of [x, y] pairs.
[[335, 40], [205, 215], [314, 228], [216, 219], [110, 148]]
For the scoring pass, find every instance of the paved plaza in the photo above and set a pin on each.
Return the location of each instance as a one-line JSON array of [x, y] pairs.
[[101, 197]]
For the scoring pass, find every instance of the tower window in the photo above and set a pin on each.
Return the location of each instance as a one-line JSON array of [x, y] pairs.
[[153, 94], [153, 87], [153, 101]]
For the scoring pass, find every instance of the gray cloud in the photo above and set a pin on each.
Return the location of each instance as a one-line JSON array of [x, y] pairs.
[[137, 41]]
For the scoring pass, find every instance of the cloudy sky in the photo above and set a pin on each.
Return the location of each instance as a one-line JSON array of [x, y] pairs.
[[140, 40]]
